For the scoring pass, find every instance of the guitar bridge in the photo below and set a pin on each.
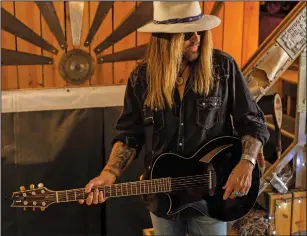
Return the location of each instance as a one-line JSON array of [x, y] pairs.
[[212, 179]]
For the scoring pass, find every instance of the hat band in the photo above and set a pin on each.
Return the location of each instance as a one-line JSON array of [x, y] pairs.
[[179, 20]]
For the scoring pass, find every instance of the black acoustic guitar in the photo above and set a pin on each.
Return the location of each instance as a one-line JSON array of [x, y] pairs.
[[174, 179]]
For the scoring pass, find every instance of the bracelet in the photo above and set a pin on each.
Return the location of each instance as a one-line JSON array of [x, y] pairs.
[[111, 172], [249, 158]]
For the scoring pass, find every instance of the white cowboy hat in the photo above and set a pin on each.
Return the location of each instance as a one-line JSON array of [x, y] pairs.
[[179, 17]]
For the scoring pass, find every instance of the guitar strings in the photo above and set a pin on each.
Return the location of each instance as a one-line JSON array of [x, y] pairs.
[[69, 197], [141, 184], [179, 183], [64, 199], [145, 185]]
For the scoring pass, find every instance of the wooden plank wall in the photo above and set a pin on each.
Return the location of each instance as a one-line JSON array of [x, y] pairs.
[[237, 35]]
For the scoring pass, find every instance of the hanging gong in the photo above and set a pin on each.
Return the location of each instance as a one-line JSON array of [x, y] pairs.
[[76, 66]]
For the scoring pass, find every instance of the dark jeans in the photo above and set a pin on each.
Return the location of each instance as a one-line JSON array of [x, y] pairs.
[[201, 225]]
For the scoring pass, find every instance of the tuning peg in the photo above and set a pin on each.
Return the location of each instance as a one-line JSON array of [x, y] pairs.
[[32, 186], [22, 188], [40, 185], [43, 208]]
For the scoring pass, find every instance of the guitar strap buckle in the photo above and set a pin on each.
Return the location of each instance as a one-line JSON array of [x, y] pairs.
[[148, 121]]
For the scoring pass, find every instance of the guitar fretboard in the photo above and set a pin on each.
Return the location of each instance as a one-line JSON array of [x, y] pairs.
[[119, 190]]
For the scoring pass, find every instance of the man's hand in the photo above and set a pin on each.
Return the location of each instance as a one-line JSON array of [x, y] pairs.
[[239, 180], [105, 178], [120, 158]]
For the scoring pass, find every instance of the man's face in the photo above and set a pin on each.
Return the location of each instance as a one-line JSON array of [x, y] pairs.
[[191, 46]]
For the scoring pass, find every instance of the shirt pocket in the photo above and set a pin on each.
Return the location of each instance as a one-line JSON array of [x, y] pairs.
[[208, 111]]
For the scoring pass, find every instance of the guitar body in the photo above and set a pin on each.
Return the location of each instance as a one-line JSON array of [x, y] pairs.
[[222, 154]]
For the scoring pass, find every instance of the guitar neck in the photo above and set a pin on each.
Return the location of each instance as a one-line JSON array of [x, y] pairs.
[[118, 190]]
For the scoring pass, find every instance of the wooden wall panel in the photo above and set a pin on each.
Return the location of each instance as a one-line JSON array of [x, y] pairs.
[[218, 32], [103, 72], [237, 35], [201, 4], [30, 76], [142, 37], [283, 217], [250, 30], [123, 69], [280, 208], [298, 224], [9, 78], [233, 29], [51, 73]]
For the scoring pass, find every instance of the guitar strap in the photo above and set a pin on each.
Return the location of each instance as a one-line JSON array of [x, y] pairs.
[[149, 125]]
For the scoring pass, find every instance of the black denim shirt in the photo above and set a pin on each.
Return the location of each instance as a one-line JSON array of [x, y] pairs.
[[197, 118]]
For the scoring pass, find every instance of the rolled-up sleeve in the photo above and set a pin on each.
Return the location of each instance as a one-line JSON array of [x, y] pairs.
[[248, 119], [129, 127]]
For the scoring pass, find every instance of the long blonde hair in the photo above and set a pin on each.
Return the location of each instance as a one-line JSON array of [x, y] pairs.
[[164, 57]]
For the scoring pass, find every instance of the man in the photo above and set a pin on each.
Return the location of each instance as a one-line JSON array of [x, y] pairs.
[[193, 90]]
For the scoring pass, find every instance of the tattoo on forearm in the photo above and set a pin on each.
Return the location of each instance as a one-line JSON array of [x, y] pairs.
[[123, 154], [120, 157], [251, 146]]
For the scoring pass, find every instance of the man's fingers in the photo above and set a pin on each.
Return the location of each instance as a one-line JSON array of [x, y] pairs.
[[81, 201], [95, 198], [225, 186], [238, 187], [228, 191], [100, 197], [246, 186], [89, 199], [233, 194], [93, 183], [244, 191], [88, 187], [227, 183]]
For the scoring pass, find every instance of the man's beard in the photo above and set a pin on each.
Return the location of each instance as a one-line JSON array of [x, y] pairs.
[[191, 56]]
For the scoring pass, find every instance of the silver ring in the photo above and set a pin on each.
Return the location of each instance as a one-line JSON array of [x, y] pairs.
[[239, 194]]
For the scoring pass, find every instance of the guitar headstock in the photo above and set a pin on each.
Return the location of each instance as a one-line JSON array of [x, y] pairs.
[[39, 197]]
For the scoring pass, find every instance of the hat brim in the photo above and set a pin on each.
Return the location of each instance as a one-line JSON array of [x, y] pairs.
[[207, 22]]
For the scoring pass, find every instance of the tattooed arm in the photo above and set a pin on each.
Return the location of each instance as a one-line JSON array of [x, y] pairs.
[[120, 158], [250, 149], [239, 181]]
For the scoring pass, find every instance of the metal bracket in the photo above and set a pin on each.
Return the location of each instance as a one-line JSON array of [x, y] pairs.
[[296, 148], [278, 184]]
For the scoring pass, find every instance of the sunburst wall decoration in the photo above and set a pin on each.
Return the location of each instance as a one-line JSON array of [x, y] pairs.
[[75, 66]]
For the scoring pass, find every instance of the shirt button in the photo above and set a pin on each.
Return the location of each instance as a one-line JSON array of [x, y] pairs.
[[182, 124], [180, 144]]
